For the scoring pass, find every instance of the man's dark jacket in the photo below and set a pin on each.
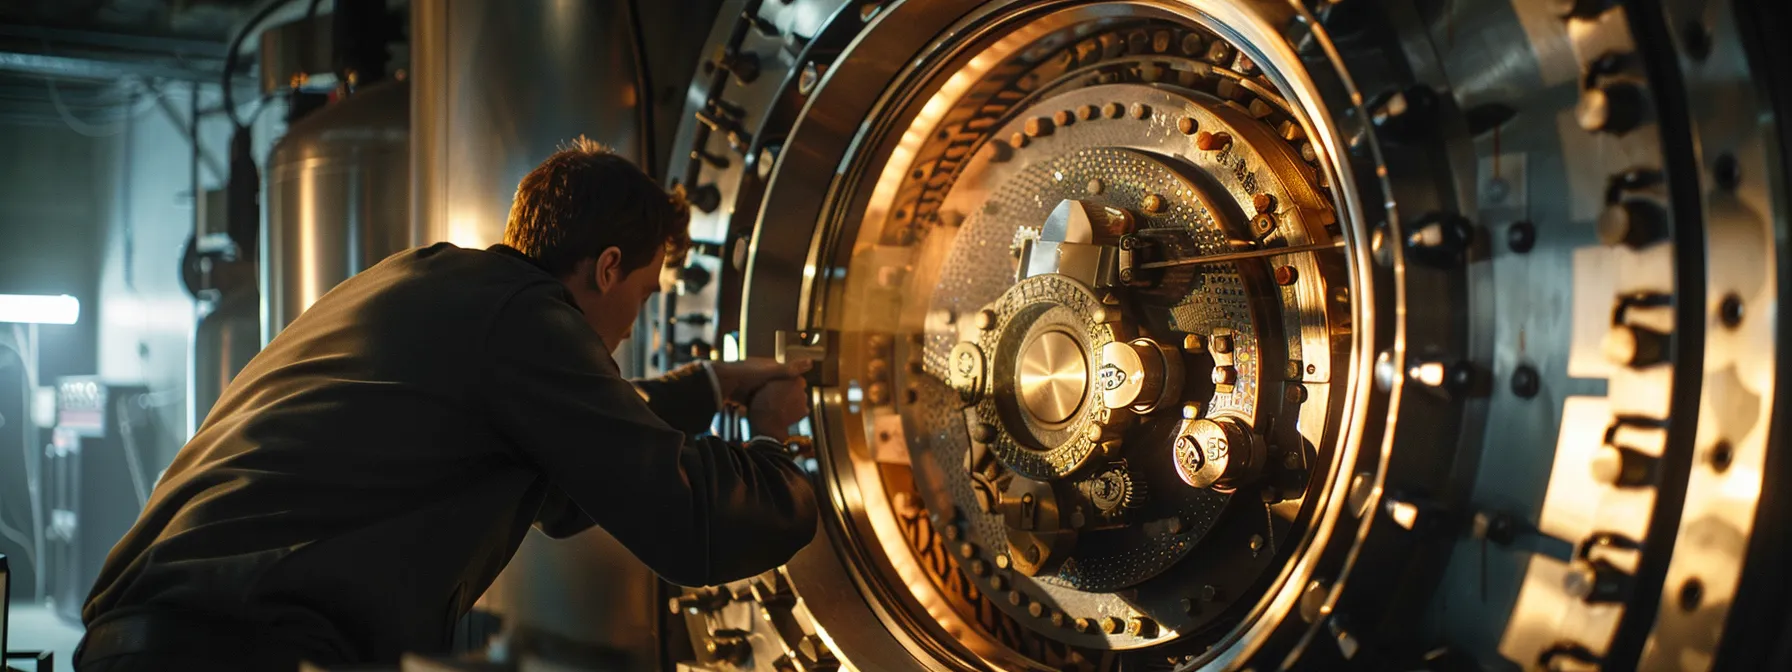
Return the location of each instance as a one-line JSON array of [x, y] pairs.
[[366, 476]]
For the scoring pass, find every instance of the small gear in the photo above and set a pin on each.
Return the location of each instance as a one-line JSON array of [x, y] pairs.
[[1114, 490]]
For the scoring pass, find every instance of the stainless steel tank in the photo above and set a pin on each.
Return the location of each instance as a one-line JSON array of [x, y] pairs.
[[338, 199]]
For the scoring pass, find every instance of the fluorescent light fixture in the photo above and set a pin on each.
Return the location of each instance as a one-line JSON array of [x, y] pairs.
[[37, 309]]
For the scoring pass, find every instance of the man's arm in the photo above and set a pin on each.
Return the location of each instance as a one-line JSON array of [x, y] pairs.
[[687, 398], [698, 513]]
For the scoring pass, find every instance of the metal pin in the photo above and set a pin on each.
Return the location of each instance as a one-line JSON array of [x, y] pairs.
[[1241, 256]]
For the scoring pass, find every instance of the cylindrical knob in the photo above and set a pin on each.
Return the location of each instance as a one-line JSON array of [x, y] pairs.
[[1130, 374], [1635, 346], [1623, 467], [1207, 451], [1632, 223], [1595, 581], [1612, 108]]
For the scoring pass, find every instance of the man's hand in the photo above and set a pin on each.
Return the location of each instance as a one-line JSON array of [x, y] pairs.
[[778, 405], [740, 381]]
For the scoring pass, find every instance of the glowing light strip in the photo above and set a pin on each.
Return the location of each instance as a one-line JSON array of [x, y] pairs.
[[39, 309]]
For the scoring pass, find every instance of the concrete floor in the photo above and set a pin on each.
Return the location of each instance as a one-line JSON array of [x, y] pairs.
[[35, 628]]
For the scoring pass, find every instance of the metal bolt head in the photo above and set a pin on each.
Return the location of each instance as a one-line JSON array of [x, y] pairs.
[[1209, 593], [1020, 139], [986, 319], [1194, 343], [1225, 375], [1729, 311], [1140, 110], [1191, 44], [1140, 626], [1188, 125], [1002, 561], [1036, 609], [999, 151], [1084, 625], [1256, 543], [1526, 382], [1286, 275], [1087, 112], [1038, 126], [1015, 598], [1521, 237], [1113, 625], [805, 82], [1295, 394], [1611, 108], [998, 582], [1220, 343], [967, 550], [1058, 619], [1154, 203], [1113, 110], [1095, 186], [1263, 203], [983, 432], [1064, 117], [978, 567], [1032, 553], [1212, 142]]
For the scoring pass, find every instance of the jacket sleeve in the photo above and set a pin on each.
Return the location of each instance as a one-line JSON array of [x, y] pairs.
[[697, 513], [686, 398]]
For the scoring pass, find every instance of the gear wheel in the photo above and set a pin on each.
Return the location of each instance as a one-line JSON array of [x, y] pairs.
[[1114, 490]]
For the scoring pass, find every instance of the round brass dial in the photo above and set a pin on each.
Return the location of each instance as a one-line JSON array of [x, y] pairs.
[[1053, 377]]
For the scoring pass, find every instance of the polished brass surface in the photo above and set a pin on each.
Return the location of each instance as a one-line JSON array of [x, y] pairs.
[[1053, 376]]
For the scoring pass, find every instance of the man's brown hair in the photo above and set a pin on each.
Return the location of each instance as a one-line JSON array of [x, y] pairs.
[[585, 199]]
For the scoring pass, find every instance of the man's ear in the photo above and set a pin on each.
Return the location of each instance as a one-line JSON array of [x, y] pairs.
[[607, 272]]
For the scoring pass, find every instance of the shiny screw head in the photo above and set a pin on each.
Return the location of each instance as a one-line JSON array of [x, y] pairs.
[[1087, 112], [1019, 140], [1264, 203], [1154, 203], [1015, 598], [1140, 110], [1095, 186], [1113, 110], [1063, 117], [1188, 125], [1113, 625], [1036, 609], [1002, 561], [1286, 275], [1256, 543], [1084, 625], [1038, 126]]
